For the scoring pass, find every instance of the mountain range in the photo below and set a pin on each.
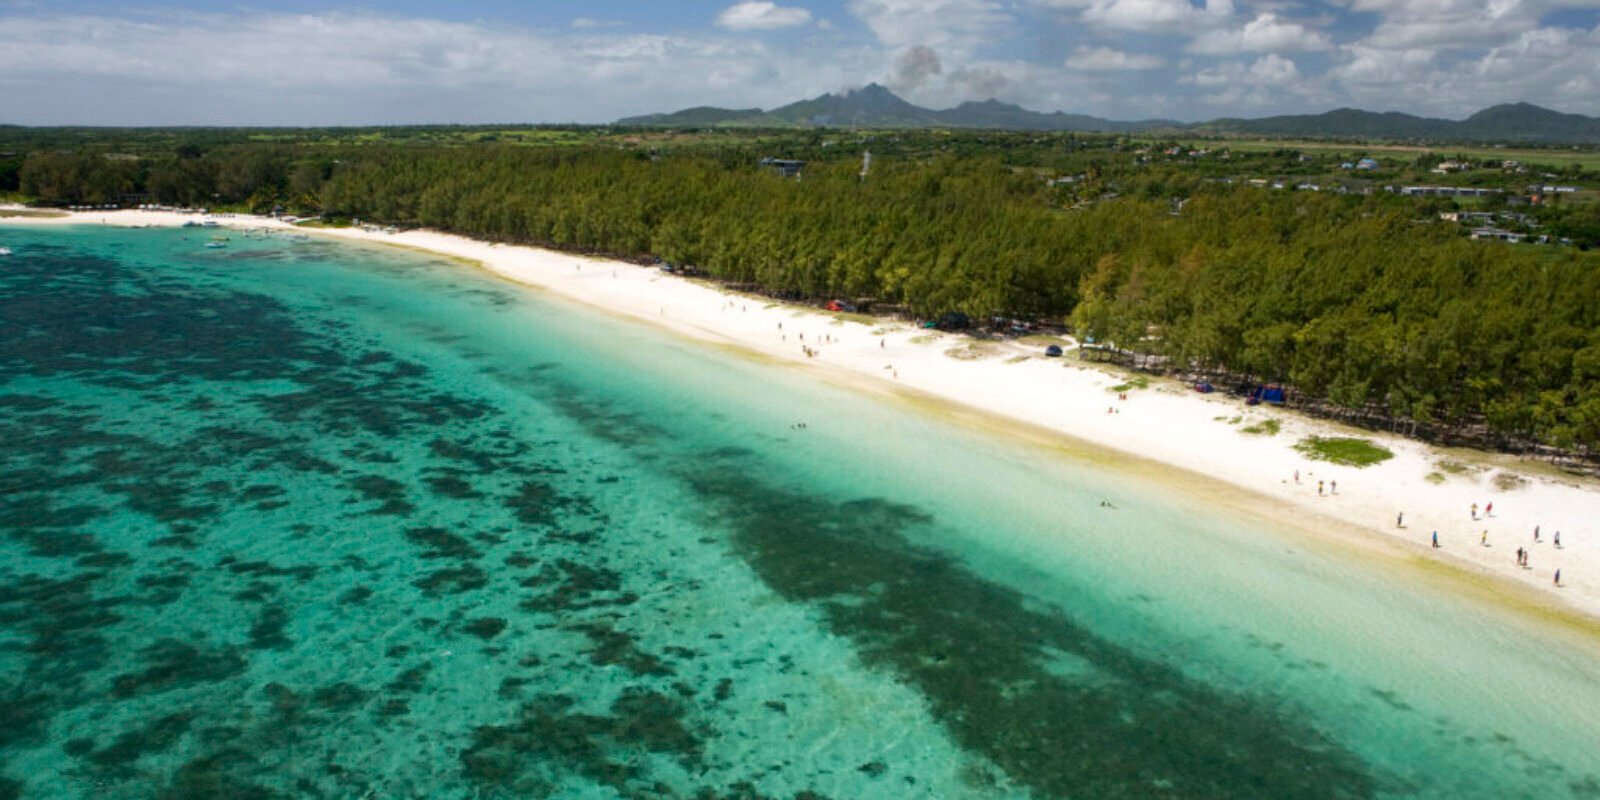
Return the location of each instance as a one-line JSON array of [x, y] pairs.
[[874, 106]]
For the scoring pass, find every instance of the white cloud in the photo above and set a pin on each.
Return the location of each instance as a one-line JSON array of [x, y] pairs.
[[759, 15], [1264, 34], [582, 23], [361, 68], [954, 28], [1150, 16], [1556, 67], [1105, 59]]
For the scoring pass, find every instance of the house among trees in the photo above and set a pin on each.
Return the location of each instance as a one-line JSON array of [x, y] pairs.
[[788, 168]]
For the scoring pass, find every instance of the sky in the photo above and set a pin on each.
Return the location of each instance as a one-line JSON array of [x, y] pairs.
[[295, 62]]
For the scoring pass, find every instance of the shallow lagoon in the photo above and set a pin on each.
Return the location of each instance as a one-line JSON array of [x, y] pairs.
[[305, 519]]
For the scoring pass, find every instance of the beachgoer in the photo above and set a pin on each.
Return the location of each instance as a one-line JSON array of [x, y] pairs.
[[1400, 520], [880, 344], [1558, 538], [1558, 578], [1297, 476], [1484, 539], [1474, 510], [1333, 487], [1519, 556], [1536, 533], [1488, 510], [1435, 540]]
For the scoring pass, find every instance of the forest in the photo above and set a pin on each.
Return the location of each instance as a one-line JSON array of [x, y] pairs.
[[1361, 302]]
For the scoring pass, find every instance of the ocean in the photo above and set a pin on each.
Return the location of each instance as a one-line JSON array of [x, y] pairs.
[[313, 519]]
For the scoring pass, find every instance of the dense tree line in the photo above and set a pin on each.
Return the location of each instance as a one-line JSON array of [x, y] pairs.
[[1351, 299]]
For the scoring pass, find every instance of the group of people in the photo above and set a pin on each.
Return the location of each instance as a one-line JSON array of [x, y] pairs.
[[1524, 554]]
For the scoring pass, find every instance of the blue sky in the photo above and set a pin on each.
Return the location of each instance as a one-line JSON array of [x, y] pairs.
[[296, 62]]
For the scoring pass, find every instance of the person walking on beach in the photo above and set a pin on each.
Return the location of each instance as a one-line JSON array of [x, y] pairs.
[[1536, 533], [1474, 510], [1319, 488], [1436, 540], [1520, 553], [1400, 522], [1333, 487], [1484, 539], [1558, 540], [1558, 578], [1488, 510], [1297, 476]]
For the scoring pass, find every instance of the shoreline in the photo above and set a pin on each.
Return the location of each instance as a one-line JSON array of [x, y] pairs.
[[1194, 442]]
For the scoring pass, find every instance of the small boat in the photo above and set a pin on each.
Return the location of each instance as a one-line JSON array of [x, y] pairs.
[[219, 238], [5, 251], [216, 245]]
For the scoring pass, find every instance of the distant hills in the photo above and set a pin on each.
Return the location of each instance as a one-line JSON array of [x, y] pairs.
[[874, 106]]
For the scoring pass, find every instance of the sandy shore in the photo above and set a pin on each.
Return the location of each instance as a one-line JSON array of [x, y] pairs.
[[1200, 435]]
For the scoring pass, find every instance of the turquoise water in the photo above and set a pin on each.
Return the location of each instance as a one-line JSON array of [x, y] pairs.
[[317, 520]]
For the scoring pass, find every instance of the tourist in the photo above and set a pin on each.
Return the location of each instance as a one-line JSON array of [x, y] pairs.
[[1333, 487], [1474, 510], [1319, 488], [1558, 539], [1400, 520], [1536, 533], [1484, 539], [1436, 540], [1558, 578], [1488, 510]]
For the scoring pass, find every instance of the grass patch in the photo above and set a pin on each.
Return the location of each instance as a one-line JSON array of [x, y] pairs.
[[923, 339], [1434, 477], [1137, 382], [1042, 340], [841, 317], [26, 213], [1509, 481], [1453, 467], [1266, 427], [972, 352], [1343, 450]]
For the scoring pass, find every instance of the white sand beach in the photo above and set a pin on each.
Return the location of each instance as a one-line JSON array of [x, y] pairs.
[[1200, 437]]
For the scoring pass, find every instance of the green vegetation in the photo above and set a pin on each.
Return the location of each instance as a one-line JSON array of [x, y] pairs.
[[1136, 382], [1509, 481], [1266, 427], [1364, 304], [1347, 451], [1434, 477]]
